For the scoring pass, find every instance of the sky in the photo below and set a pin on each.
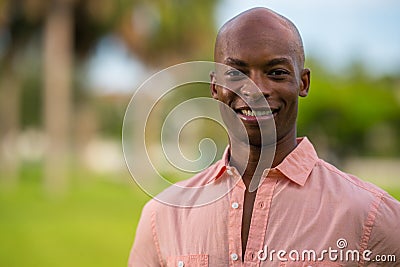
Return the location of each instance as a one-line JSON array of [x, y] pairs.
[[338, 32], [335, 32]]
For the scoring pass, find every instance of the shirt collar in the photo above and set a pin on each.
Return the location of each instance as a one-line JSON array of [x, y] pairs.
[[220, 166], [297, 166]]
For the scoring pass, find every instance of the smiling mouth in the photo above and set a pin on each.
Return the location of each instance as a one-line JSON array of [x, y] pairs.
[[257, 113]]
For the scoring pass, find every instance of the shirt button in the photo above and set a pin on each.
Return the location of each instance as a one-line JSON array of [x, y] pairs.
[[235, 205], [228, 171], [234, 256], [181, 264]]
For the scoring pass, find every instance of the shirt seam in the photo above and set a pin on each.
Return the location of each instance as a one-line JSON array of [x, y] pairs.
[[368, 225], [155, 238], [343, 175]]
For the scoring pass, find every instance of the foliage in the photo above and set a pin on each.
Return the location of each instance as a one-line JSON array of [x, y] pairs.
[[352, 113], [166, 32]]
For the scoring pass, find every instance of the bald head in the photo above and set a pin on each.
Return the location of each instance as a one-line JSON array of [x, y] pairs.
[[261, 22]]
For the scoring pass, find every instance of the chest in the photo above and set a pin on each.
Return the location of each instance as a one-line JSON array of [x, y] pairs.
[[235, 228]]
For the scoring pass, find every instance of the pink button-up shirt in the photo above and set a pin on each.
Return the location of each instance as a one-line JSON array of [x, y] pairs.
[[306, 213]]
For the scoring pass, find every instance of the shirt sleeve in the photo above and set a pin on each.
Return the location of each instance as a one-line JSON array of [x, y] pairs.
[[384, 242], [145, 250]]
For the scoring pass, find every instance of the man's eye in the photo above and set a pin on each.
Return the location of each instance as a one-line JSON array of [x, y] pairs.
[[234, 74], [278, 72]]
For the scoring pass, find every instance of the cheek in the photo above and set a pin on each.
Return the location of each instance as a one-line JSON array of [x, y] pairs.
[[225, 95], [289, 95]]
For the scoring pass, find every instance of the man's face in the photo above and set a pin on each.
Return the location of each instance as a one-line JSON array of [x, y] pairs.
[[267, 56]]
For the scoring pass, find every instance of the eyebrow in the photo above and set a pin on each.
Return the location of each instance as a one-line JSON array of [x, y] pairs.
[[270, 63], [236, 62], [278, 61]]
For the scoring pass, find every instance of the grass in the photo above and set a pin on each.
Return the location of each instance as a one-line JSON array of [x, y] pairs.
[[92, 224]]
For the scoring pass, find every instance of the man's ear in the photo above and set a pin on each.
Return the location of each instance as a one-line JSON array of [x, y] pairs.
[[213, 85], [305, 82]]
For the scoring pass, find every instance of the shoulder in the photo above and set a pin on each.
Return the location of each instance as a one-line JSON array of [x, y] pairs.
[[198, 190], [356, 192], [347, 192], [345, 183], [364, 203]]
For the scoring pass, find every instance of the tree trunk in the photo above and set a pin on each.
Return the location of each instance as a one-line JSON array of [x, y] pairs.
[[58, 57], [9, 126]]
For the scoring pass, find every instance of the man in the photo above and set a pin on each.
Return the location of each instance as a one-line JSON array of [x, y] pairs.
[[288, 207]]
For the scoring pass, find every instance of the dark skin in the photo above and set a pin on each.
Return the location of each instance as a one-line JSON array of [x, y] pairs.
[[265, 48]]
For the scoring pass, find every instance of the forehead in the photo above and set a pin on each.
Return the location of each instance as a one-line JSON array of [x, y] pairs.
[[257, 38]]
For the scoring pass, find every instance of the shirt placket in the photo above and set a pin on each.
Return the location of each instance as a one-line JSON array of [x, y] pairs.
[[259, 220], [236, 200]]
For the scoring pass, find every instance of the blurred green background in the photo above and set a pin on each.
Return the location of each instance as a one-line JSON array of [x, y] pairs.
[[66, 197]]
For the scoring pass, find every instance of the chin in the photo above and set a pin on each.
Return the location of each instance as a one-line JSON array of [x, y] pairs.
[[253, 137], [265, 136]]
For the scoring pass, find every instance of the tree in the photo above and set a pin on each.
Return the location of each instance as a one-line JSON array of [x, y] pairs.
[[70, 29], [57, 76]]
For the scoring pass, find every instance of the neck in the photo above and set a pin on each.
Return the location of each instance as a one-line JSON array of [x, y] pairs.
[[251, 160]]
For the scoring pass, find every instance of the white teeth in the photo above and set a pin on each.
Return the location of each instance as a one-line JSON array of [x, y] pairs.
[[254, 113]]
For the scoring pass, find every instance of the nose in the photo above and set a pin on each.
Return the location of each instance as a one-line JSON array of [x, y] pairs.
[[254, 89], [250, 91]]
